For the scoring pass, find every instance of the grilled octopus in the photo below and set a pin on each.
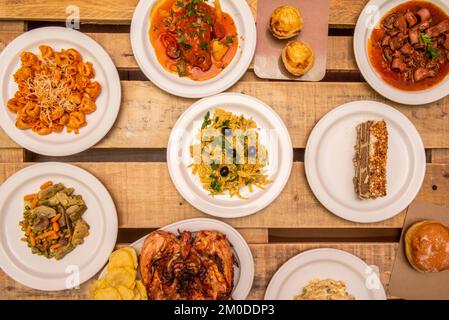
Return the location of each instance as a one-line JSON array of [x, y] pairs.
[[187, 267]]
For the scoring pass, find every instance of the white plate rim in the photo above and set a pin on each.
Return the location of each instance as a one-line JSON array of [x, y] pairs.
[[327, 201], [318, 254], [246, 207], [111, 227], [113, 90], [200, 89], [242, 289], [361, 36]]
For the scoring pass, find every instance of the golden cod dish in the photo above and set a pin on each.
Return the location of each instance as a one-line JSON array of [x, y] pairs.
[[327, 289], [55, 90], [298, 57], [286, 22], [191, 266]]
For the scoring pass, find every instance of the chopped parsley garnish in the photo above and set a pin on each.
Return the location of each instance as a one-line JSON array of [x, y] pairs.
[[208, 18], [225, 123], [203, 45], [207, 121], [229, 39], [181, 39], [430, 50], [181, 68], [190, 9], [214, 166], [180, 4], [195, 24], [215, 185]]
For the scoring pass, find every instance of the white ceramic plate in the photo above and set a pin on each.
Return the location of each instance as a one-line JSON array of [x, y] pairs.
[[243, 272], [185, 87], [108, 102], [368, 20], [273, 135], [85, 260], [362, 281], [330, 169]]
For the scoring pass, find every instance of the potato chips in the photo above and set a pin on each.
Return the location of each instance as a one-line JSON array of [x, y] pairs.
[[120, 281]]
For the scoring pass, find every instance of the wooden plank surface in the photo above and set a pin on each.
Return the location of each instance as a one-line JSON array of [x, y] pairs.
[[339, 57], [151, 205], [12, 155], [267, 259], [343, 13], [12, 26], [254, 235], [15, 153], [148, 114]]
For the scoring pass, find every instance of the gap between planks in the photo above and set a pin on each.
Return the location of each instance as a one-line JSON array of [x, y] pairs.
[[267, 260], [290, 235], [152, 205], [343, 13], [440, 155]]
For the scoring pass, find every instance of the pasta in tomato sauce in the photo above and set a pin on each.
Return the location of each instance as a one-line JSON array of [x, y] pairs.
[[55, 90]]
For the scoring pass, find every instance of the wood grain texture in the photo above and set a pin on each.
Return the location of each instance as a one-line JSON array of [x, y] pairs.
[[343, 13], [339, 57], [254, 235], [12, 26], [148, 114], [267, 259], [141, 204], [12, 155]]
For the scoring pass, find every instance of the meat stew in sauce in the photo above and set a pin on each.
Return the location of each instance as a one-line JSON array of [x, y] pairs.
[[192, 38], [410, 47]]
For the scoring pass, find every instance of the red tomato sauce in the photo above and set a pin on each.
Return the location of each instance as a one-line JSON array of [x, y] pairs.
[[383, 68], [182, 33]]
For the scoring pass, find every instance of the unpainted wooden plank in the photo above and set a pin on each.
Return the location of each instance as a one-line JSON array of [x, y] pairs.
[[11, 155], [148, 114], [340, 55], [267, 259], [343, 13], [12, 26], [141, 204], [116, 11], [254, 235], [9, 30]]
